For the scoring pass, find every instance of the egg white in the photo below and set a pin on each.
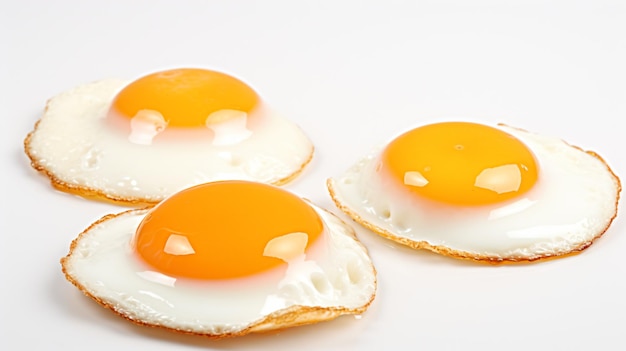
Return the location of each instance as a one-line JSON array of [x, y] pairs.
[[335, 278], [573, 202], [75, 145]]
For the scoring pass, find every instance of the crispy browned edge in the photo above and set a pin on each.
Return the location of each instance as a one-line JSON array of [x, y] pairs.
[[282, 319], [468, 255], [99, 195]]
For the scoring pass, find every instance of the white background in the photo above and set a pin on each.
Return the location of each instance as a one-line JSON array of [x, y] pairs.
[[352, 75]]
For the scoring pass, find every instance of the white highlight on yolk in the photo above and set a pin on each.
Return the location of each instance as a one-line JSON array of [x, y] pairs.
[[286, 247], [501, 179], [415, 178], [146, 125], [228, 126], [178, 245]]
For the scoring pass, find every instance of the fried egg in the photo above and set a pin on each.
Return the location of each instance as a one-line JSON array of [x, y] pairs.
[[478, 192], [141, 141], [224, 259]]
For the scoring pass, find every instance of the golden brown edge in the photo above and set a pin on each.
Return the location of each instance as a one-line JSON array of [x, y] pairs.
[[468, 255], [286, 318]]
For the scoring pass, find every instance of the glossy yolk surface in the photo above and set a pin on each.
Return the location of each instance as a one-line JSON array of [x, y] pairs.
[[185, 97], [461, 163], [220, 230]]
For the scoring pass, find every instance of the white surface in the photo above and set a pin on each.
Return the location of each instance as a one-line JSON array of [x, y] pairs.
[[352, 75]]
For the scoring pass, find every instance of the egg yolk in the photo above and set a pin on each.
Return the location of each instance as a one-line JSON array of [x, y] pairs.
[[226, 229], [461, 163], [185, 97]]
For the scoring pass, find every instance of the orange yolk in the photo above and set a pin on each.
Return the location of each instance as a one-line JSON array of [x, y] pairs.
[[224, 230], [461, 163], [185, 97]]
